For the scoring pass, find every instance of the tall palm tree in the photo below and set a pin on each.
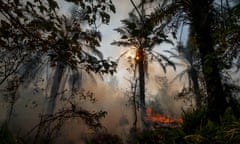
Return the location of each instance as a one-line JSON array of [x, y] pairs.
[[190, 58], [139, 32], [76, 36]]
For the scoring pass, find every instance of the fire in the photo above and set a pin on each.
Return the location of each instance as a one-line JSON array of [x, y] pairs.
[[139, 54], [134, 54], [160, 118]]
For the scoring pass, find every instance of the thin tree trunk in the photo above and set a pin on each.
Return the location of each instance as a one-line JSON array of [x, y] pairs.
[[134, 112], [134, 101], [142, 87], [55, 87], [201, 24], [12, 88], [12, 95], [193, 74], [196, 89], [194, 77]]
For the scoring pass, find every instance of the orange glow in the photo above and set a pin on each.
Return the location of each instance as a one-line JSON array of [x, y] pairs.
[[160, 118], [137, 58], [139, 54]]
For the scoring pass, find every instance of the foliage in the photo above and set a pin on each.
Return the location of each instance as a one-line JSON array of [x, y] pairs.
[[211, 132], [33, 28], [143, 34], [194, 120], [226, 35]]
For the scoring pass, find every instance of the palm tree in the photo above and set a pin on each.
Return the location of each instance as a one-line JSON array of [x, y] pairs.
[[140, 33], [190, 58], [58, 64]]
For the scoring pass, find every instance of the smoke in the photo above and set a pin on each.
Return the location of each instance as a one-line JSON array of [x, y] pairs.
[[162, 92], [32, 101], [109, 92], [109, 98]]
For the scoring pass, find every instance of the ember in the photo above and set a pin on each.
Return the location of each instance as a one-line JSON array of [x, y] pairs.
[[156, 117]]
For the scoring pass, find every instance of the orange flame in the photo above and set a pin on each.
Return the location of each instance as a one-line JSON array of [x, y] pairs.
[[160, 118]]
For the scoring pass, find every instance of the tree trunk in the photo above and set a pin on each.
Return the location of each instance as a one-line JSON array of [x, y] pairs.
[[196, 89], [193, 74], [55, 87], [134, 87], [201, 24], [195, 78], [141, 72]]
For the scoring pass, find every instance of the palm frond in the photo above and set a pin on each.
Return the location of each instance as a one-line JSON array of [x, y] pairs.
[[180, 75], [169, 62], [162, 60], [122, 31], [164, 11], [172, 53], [122, 43]]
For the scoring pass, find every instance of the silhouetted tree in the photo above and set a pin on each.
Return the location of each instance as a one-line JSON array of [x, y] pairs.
[[140, 33]]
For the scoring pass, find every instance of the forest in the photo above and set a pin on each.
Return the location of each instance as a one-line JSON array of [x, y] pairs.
[[119, 71]]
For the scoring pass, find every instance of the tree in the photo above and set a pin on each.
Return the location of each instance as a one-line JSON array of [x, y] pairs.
[[192, 71], [73, 30], [140, 33]]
